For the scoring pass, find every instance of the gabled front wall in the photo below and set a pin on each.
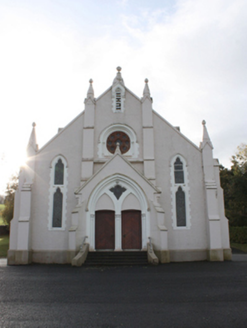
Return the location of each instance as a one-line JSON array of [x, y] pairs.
[[184, 243]]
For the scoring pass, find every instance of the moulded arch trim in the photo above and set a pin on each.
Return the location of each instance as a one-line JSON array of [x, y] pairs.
[[105, 183], [114, 127], [118, 86], [173, 158], [55, 158]]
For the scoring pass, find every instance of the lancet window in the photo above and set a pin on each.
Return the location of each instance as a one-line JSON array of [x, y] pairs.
[[58, 193], [57, 209], [180, 193]]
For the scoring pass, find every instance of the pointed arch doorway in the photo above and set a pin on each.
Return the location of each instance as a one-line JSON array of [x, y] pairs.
[[129, 209]]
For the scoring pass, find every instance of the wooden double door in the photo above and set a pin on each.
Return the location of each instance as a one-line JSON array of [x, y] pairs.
[[105, 230]]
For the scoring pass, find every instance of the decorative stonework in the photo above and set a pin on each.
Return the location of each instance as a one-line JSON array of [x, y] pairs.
[[118, 93], [118, 191]]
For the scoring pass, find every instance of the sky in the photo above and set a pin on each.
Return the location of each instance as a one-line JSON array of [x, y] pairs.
[[194, 53]]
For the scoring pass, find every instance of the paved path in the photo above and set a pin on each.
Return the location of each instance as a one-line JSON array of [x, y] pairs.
[[199, 294]]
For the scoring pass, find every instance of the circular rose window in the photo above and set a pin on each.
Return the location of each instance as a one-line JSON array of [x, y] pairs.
[[118, 137]]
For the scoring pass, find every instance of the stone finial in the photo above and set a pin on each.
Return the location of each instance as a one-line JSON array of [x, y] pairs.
[[118, 78], [32, 146], [90, 93], [146, 91], [205, 136]]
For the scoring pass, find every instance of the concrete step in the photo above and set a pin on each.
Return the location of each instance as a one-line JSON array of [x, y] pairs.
[[116, 258]]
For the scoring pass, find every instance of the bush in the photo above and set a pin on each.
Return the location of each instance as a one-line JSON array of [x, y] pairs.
[[238, 235]]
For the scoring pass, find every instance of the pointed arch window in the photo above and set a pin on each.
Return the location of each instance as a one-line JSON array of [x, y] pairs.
[[57, 209], [58, 194], [59, 172], [178, 171], [180, 193], [180, 208]]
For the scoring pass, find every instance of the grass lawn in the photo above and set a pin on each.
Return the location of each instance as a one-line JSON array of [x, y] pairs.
[[1, 210], [242, 247], [4, 246]]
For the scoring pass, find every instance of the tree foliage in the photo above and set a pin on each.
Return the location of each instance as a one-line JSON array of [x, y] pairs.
[[9, 199], [234, 183]]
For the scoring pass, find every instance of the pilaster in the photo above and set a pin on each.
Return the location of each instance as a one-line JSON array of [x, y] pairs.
[[215, 239], [88, 135], [148, 135]]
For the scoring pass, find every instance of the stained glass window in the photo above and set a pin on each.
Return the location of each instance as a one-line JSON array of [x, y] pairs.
[[57, 209], [178, 171], [59, 172], [118, 137], [180, 208]]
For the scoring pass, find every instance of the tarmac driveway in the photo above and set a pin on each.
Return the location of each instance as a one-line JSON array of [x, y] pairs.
[[198, 294]]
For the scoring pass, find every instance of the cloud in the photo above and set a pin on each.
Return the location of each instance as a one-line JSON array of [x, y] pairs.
[[193, 54], [195, 59]]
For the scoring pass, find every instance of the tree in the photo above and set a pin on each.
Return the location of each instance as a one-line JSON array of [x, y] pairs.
[[234, 183], [9, 199]]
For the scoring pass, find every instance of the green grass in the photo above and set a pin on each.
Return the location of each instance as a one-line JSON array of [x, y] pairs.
[[1, 218], [242, 247], [4, 246]]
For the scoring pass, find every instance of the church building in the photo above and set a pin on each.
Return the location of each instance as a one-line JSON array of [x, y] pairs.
[[119, 178]]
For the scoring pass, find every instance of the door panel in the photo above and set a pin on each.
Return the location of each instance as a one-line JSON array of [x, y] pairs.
[[131, 230], [104, 229]]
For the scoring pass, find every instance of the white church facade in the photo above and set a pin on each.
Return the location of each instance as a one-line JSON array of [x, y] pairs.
[[119, 177]]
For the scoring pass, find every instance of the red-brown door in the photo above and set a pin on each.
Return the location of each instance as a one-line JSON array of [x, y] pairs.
[[104, 229], [131, 230]]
